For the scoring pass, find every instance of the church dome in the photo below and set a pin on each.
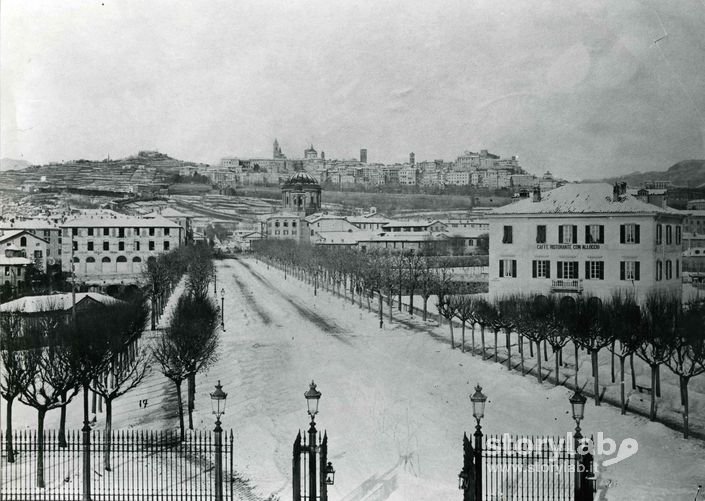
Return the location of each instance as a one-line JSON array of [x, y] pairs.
[[302, 178]]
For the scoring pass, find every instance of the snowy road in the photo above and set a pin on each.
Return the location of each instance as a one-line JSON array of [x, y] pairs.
[[395, 401]]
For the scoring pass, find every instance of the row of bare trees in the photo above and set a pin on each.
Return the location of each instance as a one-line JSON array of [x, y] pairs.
[[188, 345], [48, 358], [661, 330]]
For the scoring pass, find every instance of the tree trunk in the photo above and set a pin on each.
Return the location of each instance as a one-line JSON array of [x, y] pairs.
[[108, 433], [93, 402], [631, 367], [472, 338], [531, 350], [684, 398], [495, 345], [381, 310], [658, 381], [190, 384], [521, 353], [40, 447], [62, 423], [452, 340], [399, 306], [555, 356], [545, 351], [482, 340], [180, 407], [390, 300], [539, 376], [8, 433], [508, 335], [623, 401], [652, 413], [596, 376], [462, 330], [425, 308], [612, 361]]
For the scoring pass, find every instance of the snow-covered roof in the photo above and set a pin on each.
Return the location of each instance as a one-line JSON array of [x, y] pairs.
[[319, 216], [167, 212], [118, 220], [53, 302], [587, 198], [14, 261], [12, 234], [29, 224], [366, 220], [412, 224], [341, 237]]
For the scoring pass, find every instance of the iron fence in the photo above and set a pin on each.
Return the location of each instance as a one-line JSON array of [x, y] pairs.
[[127, 464]]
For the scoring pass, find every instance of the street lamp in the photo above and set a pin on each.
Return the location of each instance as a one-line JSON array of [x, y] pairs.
[[218, 398], [577, 402], [330, 474], [478, 400], [215, 283], [312, 398], [222, 309]]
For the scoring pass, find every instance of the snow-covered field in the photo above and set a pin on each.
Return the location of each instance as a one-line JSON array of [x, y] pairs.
[[395, 401]]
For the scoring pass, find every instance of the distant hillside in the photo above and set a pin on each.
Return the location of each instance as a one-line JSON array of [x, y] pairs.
[[12, 164], [687, 173]]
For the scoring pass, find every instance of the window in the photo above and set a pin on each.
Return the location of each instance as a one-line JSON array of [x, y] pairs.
[[151, 232], [166, 245], [137, 232], [286, 232], [89, 245], [121, 246], [507, 237], [567, 234], [37, 254], [293, 224], [276, 232], [121, 232], [286, 224], [678, 268], [594, 270], [669, 269], [629, 270], [74, 245], [276, 224], [106, 232], [669, 234], [678, 235], [137, 245], [659, 234], [90, 232], [541, 234], [74, 231], [567, 269], [106, 246], [629, 234], [166, 232], [507, 267], [594, 234], [151, 245], [23, 242], [659, 270], [541, 269]]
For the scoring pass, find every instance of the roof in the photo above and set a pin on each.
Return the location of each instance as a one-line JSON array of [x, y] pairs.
[[9, 235], [341, 237], [29, 224], [166, 212], [53, 302], [301, 178], [318, 216], [117, 221], [412, 223], [364, 219], [584, 198], [14, 261]]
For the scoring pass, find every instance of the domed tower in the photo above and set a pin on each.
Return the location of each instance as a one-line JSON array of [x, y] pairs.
[[301, 193]]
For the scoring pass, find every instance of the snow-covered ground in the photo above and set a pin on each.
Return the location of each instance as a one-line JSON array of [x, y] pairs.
[[395, 401]]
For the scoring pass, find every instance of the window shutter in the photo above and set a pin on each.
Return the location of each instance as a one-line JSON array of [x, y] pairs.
[[587, 270], [533, 269], [547, 267], [560, 234], [602, 234], [514, 268], [621, 269], [636, 234], [636, 267], [501, 268], [621, 234], [575, 234], [601, 269], [587, 234], [559, 269]]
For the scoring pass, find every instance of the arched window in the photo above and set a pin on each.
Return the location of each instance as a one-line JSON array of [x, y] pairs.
[[23, 242], [136, 259], [121, 259], [76, 260], [122, 264], [90, 259], [105, 260]]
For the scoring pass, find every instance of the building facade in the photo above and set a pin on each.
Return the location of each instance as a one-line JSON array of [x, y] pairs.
[[590, 239]]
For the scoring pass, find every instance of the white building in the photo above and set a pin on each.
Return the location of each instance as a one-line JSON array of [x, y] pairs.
[[33, 247], [591, 239]]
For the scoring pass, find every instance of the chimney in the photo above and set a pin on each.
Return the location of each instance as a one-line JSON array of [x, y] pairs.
[[537, 194], [615, 192]]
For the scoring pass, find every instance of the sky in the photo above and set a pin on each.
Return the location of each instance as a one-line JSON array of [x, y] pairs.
[[582, 89]]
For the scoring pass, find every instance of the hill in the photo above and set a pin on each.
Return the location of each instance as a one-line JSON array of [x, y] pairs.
[[686, 173], [12, 164]]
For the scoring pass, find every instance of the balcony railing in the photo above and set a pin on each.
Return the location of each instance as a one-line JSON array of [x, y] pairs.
[[567, 285]]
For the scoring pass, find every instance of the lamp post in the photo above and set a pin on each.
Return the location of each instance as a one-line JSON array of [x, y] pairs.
[[312, 398], [222, 309], [577, 402], [215, 283], [218, 398], [478, 400]]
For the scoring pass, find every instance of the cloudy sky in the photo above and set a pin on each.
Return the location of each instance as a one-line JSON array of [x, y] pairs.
[[579, 88]]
